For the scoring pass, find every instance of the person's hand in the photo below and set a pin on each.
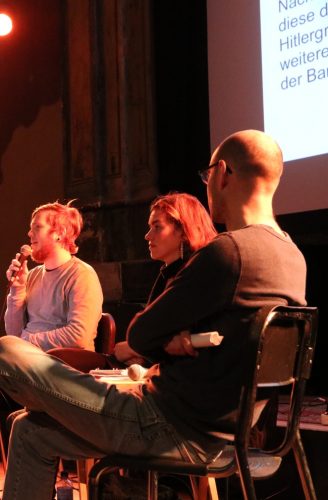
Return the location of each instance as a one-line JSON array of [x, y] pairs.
[[17, 267], [125, 354], [180, 345]]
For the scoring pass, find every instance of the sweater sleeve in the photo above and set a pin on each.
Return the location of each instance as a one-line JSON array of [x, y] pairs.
[[203, 287], [15, 315]]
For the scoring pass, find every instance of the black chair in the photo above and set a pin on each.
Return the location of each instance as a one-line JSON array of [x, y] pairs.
[[281, 347]]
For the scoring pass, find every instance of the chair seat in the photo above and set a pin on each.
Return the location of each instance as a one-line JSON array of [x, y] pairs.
[[225, 460], [263, 466], [260, 464]]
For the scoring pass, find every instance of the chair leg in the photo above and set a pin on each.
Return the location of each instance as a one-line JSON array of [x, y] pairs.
[[207, 489], [303, 468], [3, 453], [212, 489], [83, 468], [152, 485], [95, 475], [195, 487], [246, 481], [93, 488]]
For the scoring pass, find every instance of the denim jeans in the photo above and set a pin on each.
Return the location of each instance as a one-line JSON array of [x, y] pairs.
[[72, 415]]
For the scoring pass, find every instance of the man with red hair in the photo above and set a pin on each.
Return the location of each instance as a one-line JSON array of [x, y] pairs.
[[59, 302]]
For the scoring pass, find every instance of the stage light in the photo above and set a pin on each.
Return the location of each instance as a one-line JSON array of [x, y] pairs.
[[6, 24]]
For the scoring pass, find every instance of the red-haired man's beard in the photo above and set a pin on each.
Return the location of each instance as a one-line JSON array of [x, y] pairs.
[[39, 255]]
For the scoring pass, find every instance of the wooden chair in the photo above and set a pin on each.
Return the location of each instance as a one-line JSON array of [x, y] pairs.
[[85, 361], [104, 344], [106, 334], [280, 352]]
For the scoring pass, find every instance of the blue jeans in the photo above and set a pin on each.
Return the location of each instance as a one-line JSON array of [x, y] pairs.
[[72, 415]]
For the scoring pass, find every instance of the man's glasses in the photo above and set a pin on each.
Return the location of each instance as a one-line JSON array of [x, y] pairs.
[[205, 172]]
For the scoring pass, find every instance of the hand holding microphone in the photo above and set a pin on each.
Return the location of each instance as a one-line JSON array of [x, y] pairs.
[[17, 271]]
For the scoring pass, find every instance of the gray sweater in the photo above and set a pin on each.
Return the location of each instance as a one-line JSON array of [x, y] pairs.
[[57, 308]]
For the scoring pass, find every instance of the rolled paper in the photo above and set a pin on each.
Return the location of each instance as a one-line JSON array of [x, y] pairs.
[[113, 372], [206, 339]]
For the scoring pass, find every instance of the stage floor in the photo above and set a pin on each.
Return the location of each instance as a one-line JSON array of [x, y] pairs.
[[313, 407]]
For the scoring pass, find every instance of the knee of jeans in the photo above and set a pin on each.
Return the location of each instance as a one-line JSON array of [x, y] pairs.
[[12, 417], [11, 349], [9, 342], [20, 422], [25, 432]]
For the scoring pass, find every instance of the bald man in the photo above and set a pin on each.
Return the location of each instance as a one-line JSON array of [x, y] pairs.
[[189, 393], [243, 177]]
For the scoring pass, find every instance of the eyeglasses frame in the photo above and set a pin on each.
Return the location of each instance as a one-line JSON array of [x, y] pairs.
[[203, 171]]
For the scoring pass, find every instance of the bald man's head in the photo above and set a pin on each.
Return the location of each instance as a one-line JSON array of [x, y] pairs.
[[252, 154], [247, 167]]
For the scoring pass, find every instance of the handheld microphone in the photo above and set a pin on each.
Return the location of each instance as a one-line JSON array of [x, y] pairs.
[[25, 252], [137, 372]]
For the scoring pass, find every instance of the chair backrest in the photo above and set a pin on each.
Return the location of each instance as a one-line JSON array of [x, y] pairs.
[[106, 331], [286, 345], [281, 349]]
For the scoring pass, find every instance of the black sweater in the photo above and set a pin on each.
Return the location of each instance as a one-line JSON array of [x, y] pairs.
[[219, 289]]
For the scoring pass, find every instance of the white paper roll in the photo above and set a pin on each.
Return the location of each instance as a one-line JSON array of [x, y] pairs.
[[206, 339]]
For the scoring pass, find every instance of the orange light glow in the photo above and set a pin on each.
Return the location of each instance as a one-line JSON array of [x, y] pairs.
[[6, 24]]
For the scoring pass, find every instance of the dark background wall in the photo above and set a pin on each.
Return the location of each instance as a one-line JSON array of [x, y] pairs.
[[180, 44], [31, 135]]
